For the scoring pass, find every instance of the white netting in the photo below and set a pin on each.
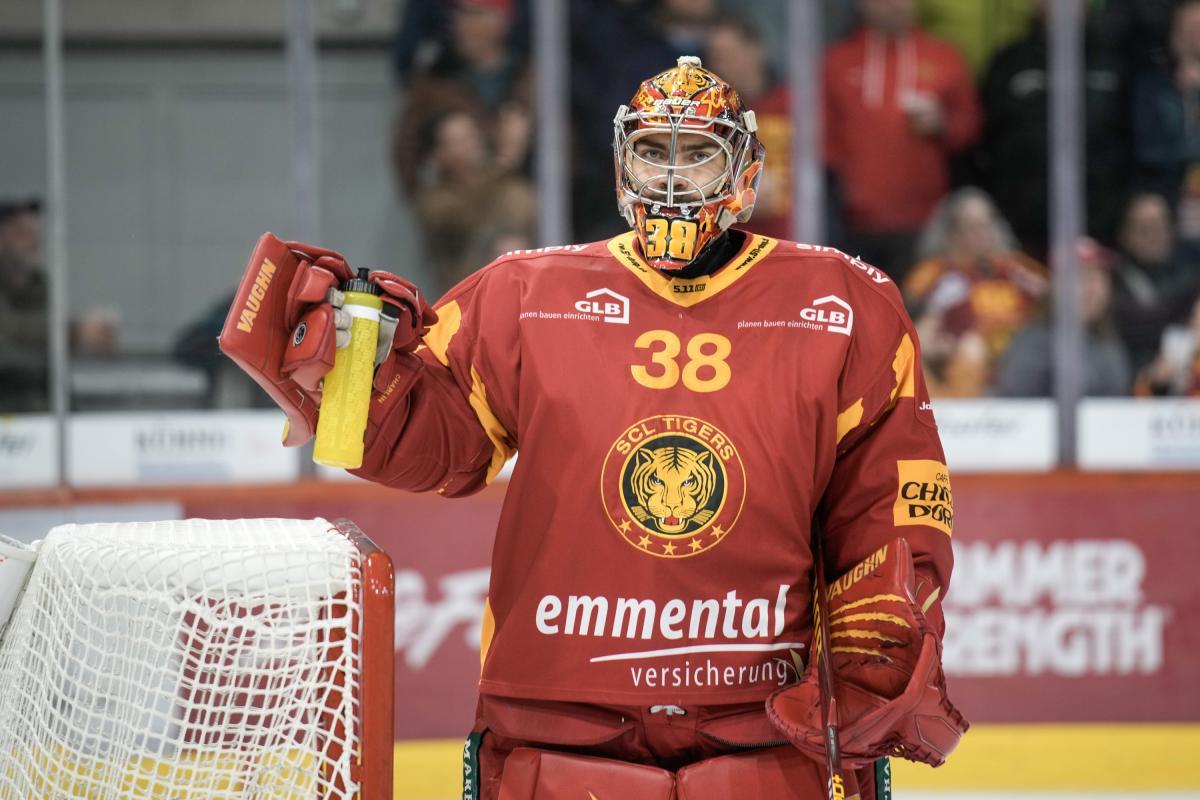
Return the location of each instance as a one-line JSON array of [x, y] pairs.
[[193, 659]]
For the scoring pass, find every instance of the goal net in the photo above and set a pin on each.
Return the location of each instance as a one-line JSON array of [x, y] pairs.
[[200, 659]]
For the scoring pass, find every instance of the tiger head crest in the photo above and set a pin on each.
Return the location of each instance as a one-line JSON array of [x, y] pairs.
[[673, 485]]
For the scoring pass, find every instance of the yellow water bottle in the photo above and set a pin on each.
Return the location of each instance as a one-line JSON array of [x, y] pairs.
[[346, 397]]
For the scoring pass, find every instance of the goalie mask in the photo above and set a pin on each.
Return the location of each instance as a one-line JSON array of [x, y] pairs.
[[687, 162]]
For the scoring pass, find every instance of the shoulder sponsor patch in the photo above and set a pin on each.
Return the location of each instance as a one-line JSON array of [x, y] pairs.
[[923, 496]]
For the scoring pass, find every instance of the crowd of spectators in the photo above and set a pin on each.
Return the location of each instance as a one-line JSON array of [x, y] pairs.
[[936, 153], [936, 138], [24, 300]]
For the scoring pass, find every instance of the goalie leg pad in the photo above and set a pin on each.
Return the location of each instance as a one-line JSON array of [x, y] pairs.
[[532, 774], [776, 773]]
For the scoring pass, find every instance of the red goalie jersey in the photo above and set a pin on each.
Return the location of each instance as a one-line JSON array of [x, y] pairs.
[[677, 437]]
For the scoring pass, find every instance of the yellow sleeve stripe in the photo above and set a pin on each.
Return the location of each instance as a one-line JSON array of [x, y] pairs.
[[437, 339], [875, 598], [860, 650], [862, 633], [491, 426], [486, 631], [905, 365], [849, 419], [933, 596], [873, 617]]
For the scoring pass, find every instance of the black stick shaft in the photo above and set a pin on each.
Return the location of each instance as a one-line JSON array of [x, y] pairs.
[[836, 787]]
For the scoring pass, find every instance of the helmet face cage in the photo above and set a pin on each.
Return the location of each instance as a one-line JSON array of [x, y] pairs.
[[675, 215]]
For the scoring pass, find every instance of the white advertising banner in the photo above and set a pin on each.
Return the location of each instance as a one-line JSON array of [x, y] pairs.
[[984, 435], [122, 449], [1139, 433], [28, 451]]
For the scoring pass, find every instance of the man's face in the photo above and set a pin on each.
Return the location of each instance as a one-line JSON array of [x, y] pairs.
[[460, 147], [1147, 232], [974, 233], [698, 165]]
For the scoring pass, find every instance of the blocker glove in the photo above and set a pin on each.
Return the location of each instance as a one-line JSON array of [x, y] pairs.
[[282, 327], [887, 666]]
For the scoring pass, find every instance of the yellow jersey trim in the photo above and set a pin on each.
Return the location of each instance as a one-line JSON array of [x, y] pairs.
[[438, 337], [905, 367], [849, 419], [491, 426], [687, 292], [487, 629]]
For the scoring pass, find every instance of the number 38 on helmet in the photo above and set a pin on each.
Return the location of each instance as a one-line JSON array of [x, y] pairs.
[[687, 162]]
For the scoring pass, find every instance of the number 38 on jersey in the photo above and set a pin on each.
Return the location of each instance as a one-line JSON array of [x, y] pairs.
[[704, 370]]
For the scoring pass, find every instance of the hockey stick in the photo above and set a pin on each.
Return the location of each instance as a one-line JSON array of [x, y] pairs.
[[836, 789]]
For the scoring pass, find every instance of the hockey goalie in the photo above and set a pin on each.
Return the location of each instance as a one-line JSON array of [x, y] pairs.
[[700, 411]]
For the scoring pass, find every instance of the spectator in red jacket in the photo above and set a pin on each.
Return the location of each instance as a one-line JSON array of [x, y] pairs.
[[899, 104]]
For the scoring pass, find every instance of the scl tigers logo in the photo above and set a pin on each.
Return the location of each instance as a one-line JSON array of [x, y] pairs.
[[673, 486]]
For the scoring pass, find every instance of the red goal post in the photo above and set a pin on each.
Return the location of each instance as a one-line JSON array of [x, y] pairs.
[[215, 658]]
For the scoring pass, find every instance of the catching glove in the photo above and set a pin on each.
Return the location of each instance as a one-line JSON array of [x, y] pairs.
[[282, 328], [887, 665]]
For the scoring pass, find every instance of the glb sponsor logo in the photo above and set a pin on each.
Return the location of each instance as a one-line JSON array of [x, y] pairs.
[[1069, 608], [923, 496], [829, 313], [607, 304]]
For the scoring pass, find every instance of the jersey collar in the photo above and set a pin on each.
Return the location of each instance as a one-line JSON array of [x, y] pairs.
[[687, 292]]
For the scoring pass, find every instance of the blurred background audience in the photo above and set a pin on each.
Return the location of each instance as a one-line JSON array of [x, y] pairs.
[[24, 299], [1153, 283], [971, 291], [935, 146], [899, 105], [1176, 368], [1026, 368], [1012, 158]]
